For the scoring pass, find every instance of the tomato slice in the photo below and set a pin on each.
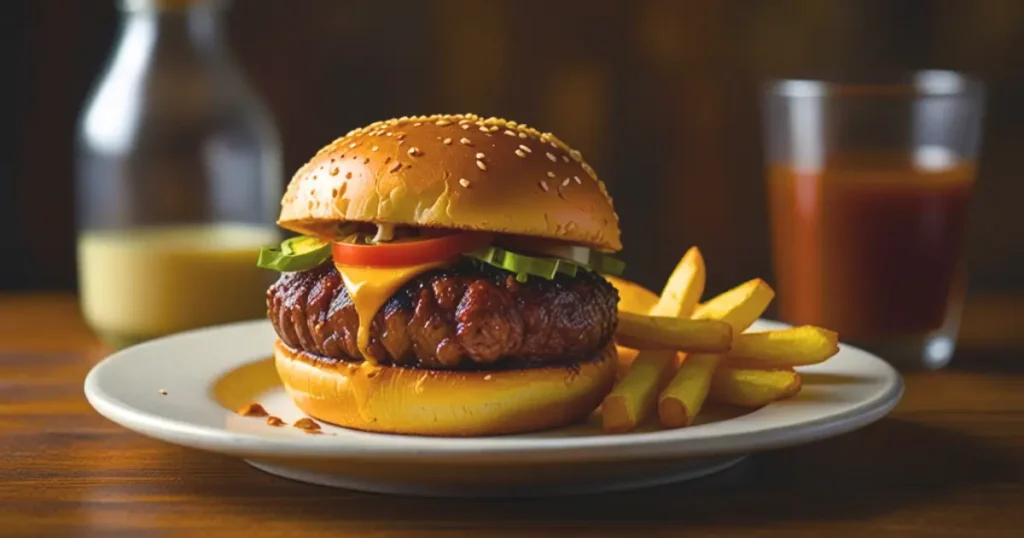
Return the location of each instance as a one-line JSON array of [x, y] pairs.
[[409, 252]]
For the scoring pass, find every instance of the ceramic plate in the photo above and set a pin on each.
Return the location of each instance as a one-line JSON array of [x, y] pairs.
[[183, 389]]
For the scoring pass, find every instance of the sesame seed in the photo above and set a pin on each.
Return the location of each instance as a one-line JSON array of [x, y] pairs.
[[577, 180], [510, 133], [566, 182], [483, 128], [442, 123], [520, 153], [494, 128], [544, 185], [464, 126], [565, 158], [522, 135], [551, 174], [334, 171], [481, 165], [447, 141], [352, 145], [395, 167], [552, 158], [480, 155], [575, 155], [400, 136], [525, 148], [466, 142], [414, 151], [464, 182], [389, 133], [417, 124], [374, 148], [348, 175]]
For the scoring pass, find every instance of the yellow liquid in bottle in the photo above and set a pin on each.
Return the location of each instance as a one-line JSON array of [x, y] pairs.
[[140, 284]]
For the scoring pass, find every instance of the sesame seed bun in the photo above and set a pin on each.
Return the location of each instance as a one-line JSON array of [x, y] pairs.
[[453, 171], [393, 399]]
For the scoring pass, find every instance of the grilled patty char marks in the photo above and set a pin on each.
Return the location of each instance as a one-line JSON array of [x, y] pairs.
[[468, 315]]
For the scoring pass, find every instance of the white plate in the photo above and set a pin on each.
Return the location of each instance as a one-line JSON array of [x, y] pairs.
[[208, 373]]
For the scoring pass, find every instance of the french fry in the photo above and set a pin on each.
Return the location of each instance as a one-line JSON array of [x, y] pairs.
[[797, 346], [684, 396], [740, 306], [632, 296], [683, 288], [633, 398], [626, 357], [640, 331], [749, 387], [681, 401], [693, 352]]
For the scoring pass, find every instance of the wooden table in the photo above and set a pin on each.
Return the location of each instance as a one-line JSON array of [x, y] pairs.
[[948, 462]]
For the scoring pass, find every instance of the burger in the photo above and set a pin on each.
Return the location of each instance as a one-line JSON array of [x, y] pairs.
[[447, 279]]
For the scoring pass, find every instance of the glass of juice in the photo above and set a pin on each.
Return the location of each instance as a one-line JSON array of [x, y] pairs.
[[868, 188]]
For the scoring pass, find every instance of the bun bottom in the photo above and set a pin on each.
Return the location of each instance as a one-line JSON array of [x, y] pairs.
[[391, 399]]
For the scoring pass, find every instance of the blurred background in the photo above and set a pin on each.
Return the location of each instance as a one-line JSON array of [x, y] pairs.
[[661, 96]]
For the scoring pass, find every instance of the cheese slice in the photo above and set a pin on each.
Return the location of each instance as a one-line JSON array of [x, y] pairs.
[[370, 287]]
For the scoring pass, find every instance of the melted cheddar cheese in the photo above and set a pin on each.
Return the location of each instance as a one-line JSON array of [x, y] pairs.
[[369, 288]]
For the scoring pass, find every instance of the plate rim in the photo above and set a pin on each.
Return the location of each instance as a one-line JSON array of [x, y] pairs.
[[677, 443]]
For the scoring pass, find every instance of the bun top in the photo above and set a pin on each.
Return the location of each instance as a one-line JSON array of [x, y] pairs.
[[453, 171]]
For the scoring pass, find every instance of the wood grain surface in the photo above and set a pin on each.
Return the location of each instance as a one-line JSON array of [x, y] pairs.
[[948, 462]]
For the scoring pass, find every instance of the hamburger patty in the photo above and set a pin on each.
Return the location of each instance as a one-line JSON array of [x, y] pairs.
[[468, 315]]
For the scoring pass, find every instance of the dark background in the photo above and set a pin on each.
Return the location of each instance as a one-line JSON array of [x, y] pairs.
[[660, 95]]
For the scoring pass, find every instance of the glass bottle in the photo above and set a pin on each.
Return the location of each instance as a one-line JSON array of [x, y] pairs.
[[178, 179]]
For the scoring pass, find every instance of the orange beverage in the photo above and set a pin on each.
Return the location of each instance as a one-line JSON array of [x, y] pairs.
[[868, 188], [871, 246]]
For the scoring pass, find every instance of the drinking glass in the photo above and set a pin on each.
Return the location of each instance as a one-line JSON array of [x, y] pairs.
[[868, 190]]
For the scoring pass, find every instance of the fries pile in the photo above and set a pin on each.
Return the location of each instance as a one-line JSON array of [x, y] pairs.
[[676, 352]]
